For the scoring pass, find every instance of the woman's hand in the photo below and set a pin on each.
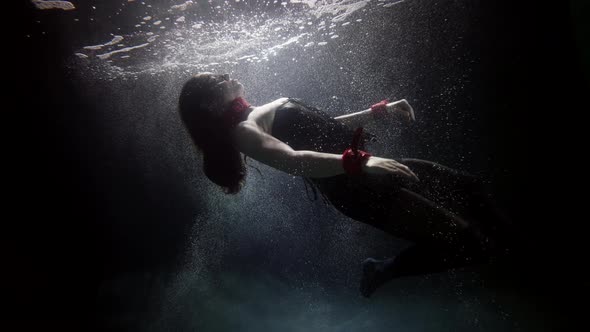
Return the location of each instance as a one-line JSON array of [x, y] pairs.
[[378, 166], [401, 109]]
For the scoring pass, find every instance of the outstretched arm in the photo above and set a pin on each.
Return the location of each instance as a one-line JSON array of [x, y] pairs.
[[255, 143], [269, 150], [398, 109]]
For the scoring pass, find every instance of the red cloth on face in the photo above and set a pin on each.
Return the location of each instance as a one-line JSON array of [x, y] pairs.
[[236, 112]]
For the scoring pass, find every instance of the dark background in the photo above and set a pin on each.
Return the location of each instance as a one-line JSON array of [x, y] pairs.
[[58, 248]]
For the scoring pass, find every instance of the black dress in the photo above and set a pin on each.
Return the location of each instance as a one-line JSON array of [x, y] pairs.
[[443, 210]]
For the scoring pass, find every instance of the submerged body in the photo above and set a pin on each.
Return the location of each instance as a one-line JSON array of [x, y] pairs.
[[445, 212], [305, 128]]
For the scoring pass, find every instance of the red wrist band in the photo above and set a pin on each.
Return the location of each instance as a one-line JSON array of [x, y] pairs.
[[353, 158], [380, 108], [353, 161]]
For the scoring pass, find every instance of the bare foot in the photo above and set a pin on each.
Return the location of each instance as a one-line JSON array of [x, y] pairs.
[[373, 276]]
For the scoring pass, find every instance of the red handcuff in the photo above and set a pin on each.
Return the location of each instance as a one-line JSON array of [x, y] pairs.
[[353, 158]]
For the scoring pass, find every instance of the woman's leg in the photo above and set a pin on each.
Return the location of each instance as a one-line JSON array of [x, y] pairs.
[[443, 241], [460, 193], [418, 219], [450, 187], [446, 239], [383, 203], [415, 260]]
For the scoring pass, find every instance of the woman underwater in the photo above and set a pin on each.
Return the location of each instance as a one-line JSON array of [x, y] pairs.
[[444, 212]]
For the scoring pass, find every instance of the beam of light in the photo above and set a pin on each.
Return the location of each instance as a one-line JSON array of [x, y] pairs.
[[188, 39]]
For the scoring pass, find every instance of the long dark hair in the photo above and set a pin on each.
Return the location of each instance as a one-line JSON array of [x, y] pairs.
[[201, 116]]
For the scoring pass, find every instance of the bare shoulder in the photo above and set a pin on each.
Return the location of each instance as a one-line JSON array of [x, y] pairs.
[[250, 135], [281, 101], [273, 105], [263, 116]]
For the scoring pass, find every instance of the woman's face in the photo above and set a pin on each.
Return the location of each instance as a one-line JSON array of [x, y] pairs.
[[226, 88]]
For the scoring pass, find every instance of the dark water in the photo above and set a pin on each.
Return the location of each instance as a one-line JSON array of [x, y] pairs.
[[112, 225]]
